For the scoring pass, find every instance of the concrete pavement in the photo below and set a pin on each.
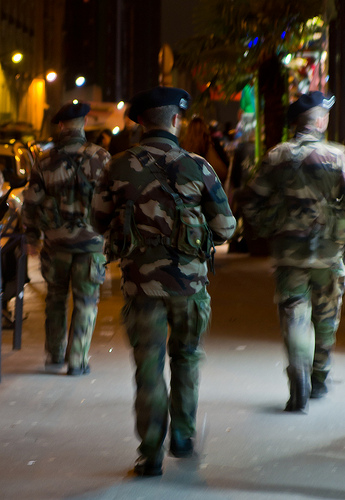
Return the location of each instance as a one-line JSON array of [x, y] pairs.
[[73, 438]]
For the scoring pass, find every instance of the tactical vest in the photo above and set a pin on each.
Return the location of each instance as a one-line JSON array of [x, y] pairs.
[[77, 186], [190, 232]]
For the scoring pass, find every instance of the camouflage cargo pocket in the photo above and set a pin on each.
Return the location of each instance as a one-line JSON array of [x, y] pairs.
[[193, 234], [335, 223], [97, 268], [202, 301]]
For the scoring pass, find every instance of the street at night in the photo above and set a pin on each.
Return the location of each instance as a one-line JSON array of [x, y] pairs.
[[72, 438]]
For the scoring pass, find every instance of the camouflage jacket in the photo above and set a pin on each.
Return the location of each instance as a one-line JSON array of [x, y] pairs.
[[297, 201], [159, 269], [58, 198]]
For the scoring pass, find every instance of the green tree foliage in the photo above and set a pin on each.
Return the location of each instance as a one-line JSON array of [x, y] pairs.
[[239, 38]]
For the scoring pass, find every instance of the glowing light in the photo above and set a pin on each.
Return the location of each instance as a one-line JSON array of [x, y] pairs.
[[283, 35], [250, 44], [287, 59], [120, 105], [51, 76], [75, 101], [80, 81], [255, 41], [17, 57], [116, 130]]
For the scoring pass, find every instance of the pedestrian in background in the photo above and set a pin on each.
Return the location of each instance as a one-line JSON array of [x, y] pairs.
[[104, 138], [57, 203], [197, 139], [164, 266], [127, 137], [297, 200]]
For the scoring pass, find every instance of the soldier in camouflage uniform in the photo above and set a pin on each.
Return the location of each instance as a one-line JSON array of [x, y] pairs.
[[297, 201], [57, 203], [142, 196]]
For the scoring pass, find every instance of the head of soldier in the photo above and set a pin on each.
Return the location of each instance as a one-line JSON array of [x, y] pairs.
[[311, 111], [72, 115], [160, 108]]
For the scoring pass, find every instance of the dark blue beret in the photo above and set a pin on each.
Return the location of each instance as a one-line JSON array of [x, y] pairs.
[[309, 101], [157, 97], [70, 111]]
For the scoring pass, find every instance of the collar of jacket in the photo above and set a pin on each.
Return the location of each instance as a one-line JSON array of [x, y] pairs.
[[309, 134], [159, 136], [71, 136]]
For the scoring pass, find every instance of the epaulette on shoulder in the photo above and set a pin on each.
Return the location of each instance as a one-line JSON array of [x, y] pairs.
[[90, 149], [47, 153], [199, 160]]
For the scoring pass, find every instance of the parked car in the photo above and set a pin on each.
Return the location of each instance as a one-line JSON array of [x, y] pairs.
[[16, 162]]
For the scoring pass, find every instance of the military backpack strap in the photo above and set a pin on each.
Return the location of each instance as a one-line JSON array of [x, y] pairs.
[[183, 234], [147, 160], [81, 154]]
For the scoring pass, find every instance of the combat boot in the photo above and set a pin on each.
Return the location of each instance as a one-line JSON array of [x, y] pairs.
[[318, 388], [299, 389]]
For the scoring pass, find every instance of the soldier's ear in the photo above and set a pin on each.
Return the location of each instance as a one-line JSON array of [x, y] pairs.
[[176, 119]]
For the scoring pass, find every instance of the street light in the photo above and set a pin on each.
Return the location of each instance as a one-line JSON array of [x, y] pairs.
[[80, 81], [51, 76], [17, 57]]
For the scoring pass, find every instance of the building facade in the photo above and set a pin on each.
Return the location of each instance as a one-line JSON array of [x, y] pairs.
[[35, 29]]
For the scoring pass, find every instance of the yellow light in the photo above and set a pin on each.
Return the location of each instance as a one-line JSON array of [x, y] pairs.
[[80, 81], [75, 101], [51, 76], [116, 130], [120, 105], [17, 57]]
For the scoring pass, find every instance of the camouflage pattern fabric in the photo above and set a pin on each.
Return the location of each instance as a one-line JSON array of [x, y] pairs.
[[57, 201], [291, 199], [146, 320], [163, 286], [309, 308], [160, 270], [85, 272], [297, 201]]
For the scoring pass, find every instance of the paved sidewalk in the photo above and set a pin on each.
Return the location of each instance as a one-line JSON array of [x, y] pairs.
[[73, 438]]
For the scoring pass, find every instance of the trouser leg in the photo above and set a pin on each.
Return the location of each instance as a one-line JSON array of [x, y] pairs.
[[145, 320], [56, 272], [85, 306], [328, 289], [293, 294], [188, 319], [297, 331]]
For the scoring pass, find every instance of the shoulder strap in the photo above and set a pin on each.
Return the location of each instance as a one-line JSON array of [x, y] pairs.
[[147, 160], [77, 166]]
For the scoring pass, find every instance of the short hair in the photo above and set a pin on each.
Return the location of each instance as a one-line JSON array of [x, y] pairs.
[[75, 122], [311, 115], [159, 117]]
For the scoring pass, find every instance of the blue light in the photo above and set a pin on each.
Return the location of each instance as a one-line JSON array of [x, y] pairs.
[[250, 44], [255, 41], [283, 34]]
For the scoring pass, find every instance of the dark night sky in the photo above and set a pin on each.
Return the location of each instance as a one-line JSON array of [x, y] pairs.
[[177, 17]]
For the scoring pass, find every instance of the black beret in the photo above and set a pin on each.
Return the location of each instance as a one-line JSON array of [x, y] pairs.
[[309, 101], [157, 97], [70, 111]]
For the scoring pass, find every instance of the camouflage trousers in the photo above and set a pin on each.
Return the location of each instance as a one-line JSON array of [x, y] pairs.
[[309, 304], [84, 272], [146, 320]]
